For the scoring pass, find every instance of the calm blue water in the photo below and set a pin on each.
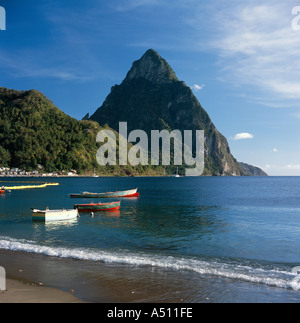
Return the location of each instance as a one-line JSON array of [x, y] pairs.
[[244, 230]]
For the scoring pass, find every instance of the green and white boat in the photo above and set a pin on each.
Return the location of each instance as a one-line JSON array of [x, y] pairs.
[[95, 207], [117, 194]]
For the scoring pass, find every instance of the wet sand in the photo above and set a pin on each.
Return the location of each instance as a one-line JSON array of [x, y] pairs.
[[30, 276], [35, 278], [25, 283], [21, 292]]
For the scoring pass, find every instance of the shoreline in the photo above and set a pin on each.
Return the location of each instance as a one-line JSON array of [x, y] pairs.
[[42, 278], [21, 292], [26, 284], [38, 278], [85, 176]]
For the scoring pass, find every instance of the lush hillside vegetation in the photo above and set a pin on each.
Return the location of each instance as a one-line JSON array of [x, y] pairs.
[[34, 132]]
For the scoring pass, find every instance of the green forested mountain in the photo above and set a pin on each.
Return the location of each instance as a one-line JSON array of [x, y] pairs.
[[152, 98], [33, 131]]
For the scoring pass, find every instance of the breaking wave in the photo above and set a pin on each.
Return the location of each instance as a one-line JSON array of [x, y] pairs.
[[267, 275]]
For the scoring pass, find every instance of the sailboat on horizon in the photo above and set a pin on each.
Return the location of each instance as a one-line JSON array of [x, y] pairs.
[[95, 176]]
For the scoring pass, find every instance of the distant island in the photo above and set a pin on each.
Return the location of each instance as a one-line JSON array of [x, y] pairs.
[[36, 137]]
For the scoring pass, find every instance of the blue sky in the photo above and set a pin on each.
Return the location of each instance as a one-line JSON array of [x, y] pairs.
[[241, 58]]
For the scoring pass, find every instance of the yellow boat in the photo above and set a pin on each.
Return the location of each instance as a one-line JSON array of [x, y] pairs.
[[31, 186]]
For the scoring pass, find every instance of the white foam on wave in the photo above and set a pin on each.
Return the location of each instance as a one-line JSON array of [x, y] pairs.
[[271, 277]]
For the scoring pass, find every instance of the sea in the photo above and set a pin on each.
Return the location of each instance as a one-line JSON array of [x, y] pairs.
[[187, 239]]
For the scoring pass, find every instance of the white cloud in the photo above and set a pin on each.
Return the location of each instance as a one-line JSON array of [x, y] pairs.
[[32, 66], [275, 150], [134, 4], [258, 47], [197, 87], [293, 166], [244, 135], [295, 115]]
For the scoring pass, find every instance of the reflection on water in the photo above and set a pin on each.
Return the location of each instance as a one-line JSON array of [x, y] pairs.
[[54, 225], [215, 231], [114, 213]]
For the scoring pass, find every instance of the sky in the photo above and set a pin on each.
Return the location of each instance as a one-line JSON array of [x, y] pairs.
[[240, 58]]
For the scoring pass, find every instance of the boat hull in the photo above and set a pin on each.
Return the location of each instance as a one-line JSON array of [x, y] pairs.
[[93, 207], [54, 215], [118, 194]]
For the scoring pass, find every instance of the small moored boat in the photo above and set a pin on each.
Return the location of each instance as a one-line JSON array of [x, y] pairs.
[[54, 215], [117, 194], [94, 207]]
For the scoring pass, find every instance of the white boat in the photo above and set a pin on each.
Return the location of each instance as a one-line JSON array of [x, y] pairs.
[[95, 176], [54, 215]]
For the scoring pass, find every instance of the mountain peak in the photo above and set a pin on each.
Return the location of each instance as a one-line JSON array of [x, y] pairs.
[[153, 68], [152, 52], [152, 98]]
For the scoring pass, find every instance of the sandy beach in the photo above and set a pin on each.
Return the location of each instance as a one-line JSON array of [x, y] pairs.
[[21, 292], [24, 283], [34, 278]]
